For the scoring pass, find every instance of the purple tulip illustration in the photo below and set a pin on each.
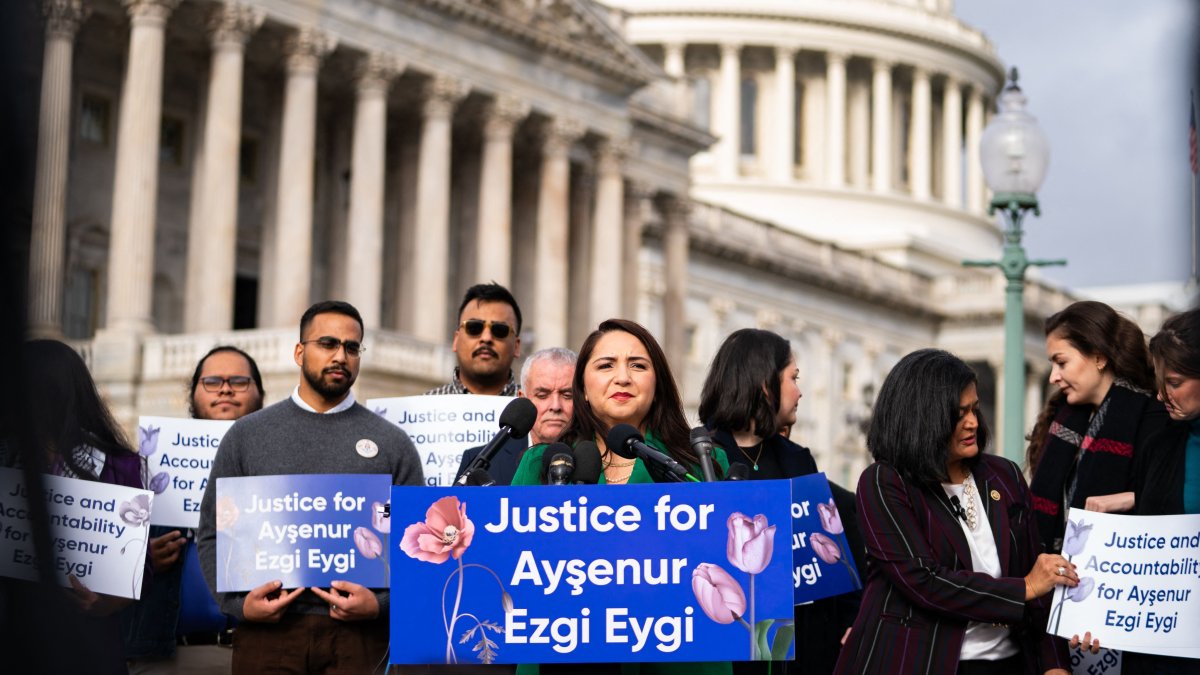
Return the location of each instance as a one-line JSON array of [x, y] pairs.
[[1075, 538], [751, 542], [831, 520], [719, 595], [148, 440], [159, 482], [381, 517], [1077, 594], [367, 543], [136, 511], [447, 532], [826, 549]]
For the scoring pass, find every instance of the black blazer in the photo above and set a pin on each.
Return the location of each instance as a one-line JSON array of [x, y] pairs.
[[504, 463]]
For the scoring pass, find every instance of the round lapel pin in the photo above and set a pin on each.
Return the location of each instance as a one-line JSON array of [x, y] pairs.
[[367, 448], [995, 494]]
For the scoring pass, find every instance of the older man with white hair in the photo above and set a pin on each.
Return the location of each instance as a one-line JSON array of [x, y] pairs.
[[546, 381]]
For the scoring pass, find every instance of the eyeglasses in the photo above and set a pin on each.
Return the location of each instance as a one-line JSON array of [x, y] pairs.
[[474, 328], [215, 383], [331, 344]]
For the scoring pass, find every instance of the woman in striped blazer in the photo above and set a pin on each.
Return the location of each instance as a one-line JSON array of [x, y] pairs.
[[952, 575]]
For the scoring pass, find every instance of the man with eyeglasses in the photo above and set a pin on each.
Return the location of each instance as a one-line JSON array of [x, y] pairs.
[[319, 429], [177, 627], [486, 342]]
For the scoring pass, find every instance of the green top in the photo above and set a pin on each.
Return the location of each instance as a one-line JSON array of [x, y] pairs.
[[528, 474], [530, 469]]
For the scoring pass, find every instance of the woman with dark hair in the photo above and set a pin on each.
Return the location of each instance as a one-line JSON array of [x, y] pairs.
[[622, 377], [1092, 429], [951, 575], [750, 396], [1166, 475], [72, 434]]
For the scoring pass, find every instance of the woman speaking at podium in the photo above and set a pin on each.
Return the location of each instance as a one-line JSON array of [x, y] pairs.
[[622, 377]]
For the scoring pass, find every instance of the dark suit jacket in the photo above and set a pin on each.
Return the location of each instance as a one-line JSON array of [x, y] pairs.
[[920, 589], [504, 463]]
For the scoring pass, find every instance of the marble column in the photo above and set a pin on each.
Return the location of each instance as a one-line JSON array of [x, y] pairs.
[[292, 266], [784, 143], [675, 66], [952, 144], [494, 259], [636, 194], [974, 173], [675, 265], [881, 126], [859, 134], [922, 125], [553, 223], [135, 186], [48, 238], [363, 282], [608, 272], [212, 239], [835, 119], [429, 294], [729, 112]]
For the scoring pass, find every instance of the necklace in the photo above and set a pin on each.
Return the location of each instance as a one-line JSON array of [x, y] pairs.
[[969, 502], [759, 447]]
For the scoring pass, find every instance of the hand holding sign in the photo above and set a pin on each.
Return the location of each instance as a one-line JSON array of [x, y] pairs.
[[267, 603], [349, 601]]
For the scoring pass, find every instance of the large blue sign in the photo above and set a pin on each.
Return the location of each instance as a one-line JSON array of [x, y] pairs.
[[696, 572], [305, 530], [822, 564]]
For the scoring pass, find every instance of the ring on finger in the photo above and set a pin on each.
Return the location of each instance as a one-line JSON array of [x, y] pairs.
[[1061, 571]]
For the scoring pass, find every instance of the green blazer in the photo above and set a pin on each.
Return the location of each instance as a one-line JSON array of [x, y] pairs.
[[527, 474], [530, 468]]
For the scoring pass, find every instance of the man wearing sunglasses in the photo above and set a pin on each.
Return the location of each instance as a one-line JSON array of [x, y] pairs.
[[486, 341], [177, 627], [319, 429]]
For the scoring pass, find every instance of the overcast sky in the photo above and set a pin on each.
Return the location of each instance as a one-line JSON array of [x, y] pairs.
[[1109, 82]]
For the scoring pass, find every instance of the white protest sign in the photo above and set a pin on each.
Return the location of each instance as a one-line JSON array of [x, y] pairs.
[[179, 453], [98, 532], [1139, 582], [1105, 662], [442, 427]]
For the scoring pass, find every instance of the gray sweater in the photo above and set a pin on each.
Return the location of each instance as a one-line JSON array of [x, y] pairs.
[[284, 439]]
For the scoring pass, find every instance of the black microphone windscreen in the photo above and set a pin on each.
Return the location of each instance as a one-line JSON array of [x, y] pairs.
[[551, 451], [519, 415], [587, 463], [480, 478], [618, 439], [738, 471], [699, 434]]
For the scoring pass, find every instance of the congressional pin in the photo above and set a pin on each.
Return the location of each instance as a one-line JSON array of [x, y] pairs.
[[367, 448], [995, 495]]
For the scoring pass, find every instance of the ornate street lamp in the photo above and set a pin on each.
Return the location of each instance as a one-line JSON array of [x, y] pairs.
[[1015, 154]]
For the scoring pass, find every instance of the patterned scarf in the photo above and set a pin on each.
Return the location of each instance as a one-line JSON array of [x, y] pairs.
[[1086, 455]]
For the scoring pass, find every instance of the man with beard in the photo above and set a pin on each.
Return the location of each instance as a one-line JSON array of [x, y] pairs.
[[320, 429], [486, 342]]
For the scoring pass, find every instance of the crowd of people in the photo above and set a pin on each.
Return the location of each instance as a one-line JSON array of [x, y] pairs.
[[958, 551]]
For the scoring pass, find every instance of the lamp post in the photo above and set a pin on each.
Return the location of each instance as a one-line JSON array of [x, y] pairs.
[[1015, 154]]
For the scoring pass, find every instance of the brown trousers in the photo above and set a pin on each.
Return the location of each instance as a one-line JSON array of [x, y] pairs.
[[310, 643]]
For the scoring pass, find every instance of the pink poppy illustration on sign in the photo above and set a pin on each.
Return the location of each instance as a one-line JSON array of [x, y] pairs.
[[446, 533]]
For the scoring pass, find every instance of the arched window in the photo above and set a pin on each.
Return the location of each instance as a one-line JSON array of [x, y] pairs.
[[749, 115]]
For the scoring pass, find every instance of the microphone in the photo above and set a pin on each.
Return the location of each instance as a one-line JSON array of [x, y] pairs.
[[702, 446], [738, 471], [587, 463], [625, 441], [957, 509], [479, 478], [516, 421], [558, 463]]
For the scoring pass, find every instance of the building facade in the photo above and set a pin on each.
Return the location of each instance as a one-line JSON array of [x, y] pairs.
[[207, 169]]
